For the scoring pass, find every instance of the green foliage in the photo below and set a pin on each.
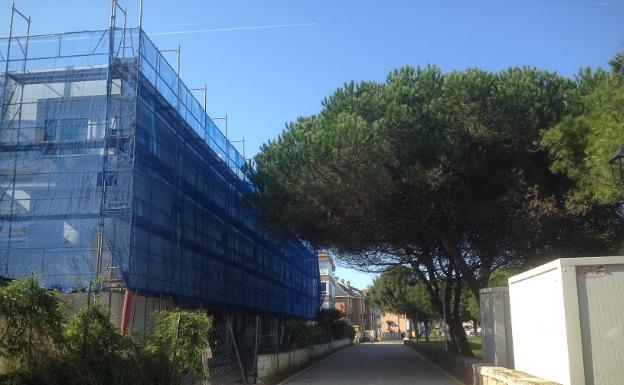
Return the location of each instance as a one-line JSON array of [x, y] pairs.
[[437, 343], [183, 335], [430, 164], [435, 170], [499, 277], [469, 306], [582, 144], [303, 334], [398, 291], [442, 172], [332, 322], [41, 345], [345, 331], [31, 323], [95, 346], [330, 325]]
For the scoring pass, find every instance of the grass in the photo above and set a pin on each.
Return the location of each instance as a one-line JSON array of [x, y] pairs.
[[437, 342]]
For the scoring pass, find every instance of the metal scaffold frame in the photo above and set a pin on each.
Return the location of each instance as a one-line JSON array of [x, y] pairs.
[[112, 171]]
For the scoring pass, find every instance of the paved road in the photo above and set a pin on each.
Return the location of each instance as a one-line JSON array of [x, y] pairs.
[[374, 364]]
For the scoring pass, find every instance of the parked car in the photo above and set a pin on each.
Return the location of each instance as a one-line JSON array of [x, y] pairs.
[[471, 331]]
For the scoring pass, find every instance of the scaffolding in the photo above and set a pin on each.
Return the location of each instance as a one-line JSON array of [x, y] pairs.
[[111, 170]]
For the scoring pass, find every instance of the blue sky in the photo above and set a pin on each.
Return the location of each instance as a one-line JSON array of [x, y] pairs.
[[268, 62]]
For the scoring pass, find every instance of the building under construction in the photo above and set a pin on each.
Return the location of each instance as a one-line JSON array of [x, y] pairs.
[[113, 178]]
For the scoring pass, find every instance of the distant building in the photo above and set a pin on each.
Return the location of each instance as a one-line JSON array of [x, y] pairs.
[[352, 302], [327, 270], [373, 317], [393, 323]]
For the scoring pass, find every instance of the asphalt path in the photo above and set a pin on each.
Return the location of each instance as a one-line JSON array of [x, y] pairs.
[[375, 364]]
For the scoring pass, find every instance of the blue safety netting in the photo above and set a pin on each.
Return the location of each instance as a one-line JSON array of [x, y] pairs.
[[103, 144]]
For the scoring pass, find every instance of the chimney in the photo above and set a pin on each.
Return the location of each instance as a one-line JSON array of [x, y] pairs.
[[348, 283], [342, 281]]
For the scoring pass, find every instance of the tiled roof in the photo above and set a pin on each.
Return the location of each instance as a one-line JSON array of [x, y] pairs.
[[344, 290]]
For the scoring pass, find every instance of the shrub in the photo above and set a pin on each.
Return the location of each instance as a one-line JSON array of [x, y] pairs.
[[333, 323], [95, 346], [300, 334], [183, 335], [345, 331], [307, 335], [41, 345], [32, 320]]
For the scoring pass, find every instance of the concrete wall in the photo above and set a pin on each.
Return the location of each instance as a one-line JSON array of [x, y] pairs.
[[141, 317], [269, 365], [538, 319], [567, 318], [496, 327]]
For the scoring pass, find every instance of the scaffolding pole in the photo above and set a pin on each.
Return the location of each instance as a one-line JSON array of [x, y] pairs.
[[19, 122]]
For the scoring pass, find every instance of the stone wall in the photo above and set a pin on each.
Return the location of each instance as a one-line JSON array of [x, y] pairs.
[[494, 375]]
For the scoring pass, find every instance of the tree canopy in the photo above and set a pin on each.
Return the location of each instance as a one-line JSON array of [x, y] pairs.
[[428, 161], [398, 291], [442, 172], [583, 142]]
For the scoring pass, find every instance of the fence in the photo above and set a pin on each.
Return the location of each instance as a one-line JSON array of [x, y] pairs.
[[388, 336]]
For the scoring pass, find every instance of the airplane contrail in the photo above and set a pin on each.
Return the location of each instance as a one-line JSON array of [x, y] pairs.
[[172, 25], [245, 28]]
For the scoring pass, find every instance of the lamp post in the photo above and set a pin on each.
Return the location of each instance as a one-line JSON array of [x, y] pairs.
[[617, 166]]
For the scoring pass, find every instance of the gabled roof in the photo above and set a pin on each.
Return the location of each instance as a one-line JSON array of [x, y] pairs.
[[344, 290], [341, 290]]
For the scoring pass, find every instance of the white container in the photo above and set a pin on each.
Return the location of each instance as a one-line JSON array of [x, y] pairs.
[[496, 335], [568, 321]]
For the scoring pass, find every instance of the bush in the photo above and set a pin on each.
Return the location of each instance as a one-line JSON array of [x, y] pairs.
[[42, 346], [333, 323], [308, 335], [32, 322], [330, 325], [95, 346], [183, 335]]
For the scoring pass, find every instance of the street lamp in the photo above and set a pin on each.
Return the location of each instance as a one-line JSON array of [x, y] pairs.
[[617, 165]]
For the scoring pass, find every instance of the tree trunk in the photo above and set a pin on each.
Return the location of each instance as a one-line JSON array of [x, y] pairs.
[[455, 256], [457, 334], [460, 339], [460, 333], [450, 333]]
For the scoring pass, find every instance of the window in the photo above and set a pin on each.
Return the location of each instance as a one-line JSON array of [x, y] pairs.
[[69, 130], [324, 287], [66, 130], [324, 271]]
